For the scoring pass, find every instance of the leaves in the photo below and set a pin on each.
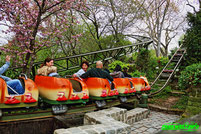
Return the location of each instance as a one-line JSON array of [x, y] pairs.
[[34, 24], [192, 39], [190, 76]]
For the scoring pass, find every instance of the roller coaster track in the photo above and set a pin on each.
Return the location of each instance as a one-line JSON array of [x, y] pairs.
[[15, 115], [71, 62], [167, 72]]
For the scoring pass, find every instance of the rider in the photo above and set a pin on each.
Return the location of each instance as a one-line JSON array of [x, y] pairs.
[[117, 72], [47, 68], [97, 72], [125, 72], [84, 66], [14, 84]]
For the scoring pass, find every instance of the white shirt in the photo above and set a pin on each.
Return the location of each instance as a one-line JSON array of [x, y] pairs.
[[80, 72]]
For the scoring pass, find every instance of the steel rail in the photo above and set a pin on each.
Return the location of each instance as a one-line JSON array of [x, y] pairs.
[[170, 76], [47, 113], [165, 66], [90, 53]]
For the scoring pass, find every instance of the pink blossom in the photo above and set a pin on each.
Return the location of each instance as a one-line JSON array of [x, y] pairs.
[[22, 17]]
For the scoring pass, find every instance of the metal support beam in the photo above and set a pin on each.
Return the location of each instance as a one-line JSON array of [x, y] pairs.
[[72, 62]]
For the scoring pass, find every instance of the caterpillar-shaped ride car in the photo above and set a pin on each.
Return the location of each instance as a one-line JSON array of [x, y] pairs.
[[29, 97], [61, 92]]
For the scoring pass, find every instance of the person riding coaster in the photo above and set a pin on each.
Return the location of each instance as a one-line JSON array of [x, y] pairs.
[[59, 92], [98, 83], [21, 92]]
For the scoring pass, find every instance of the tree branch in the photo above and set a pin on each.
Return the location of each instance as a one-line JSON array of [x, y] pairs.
[[191, 6]]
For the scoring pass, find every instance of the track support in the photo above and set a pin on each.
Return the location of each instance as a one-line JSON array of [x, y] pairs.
[[123, 99], [59, 109], [100, 104]]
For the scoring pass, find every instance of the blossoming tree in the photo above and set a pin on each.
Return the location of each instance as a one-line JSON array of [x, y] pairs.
[[29, 22]]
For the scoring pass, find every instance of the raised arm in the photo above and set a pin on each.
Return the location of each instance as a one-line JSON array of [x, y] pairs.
[[6, 65]]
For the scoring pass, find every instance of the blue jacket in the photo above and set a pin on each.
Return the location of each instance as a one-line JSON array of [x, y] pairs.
[[3, 69]]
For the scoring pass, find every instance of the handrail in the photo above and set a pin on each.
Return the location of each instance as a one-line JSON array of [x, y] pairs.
[[90, 53], [165, 66], [151, 94], [99, 51]]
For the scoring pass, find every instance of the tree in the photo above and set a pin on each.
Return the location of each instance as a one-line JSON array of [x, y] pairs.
[[69, 31], [110, 17], [27, 19], [161, 22], [121, 16], [192, 38]]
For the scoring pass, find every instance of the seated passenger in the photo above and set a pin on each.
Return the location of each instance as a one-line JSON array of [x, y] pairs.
[[47, 68], [97, 72], [84, 66], [107, 70], [125, 70], [117, 72], [14, 86]]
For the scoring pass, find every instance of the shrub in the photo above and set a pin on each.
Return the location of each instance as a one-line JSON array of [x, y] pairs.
[[162, 61], [191, 76], [137, 74], [117, 62], [142, 60], [192, 40]]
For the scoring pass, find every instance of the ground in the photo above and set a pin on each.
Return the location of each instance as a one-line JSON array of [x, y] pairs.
[[167, 102], [153, 123]]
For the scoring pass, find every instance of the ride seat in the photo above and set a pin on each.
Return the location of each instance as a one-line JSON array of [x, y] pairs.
[[77, 87]]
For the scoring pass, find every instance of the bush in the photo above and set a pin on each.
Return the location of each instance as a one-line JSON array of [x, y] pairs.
[[117, 62], [137, 74], [145, 63], [162, 61], [142, 60], [192, 38], [191, 76]]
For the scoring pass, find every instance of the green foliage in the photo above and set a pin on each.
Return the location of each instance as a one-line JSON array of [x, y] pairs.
[[87, 43], [182, 103], [137, 74], [146, 62], [111, 41], [165, 93], [142, 60], [141, 63], [117, 62], [13, 74], [192, 39], [162, 61], [134, 56], [191, 76]]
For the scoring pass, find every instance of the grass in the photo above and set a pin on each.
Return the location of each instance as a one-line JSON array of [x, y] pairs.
[[182, 103], [165, 93], [167, 99]]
